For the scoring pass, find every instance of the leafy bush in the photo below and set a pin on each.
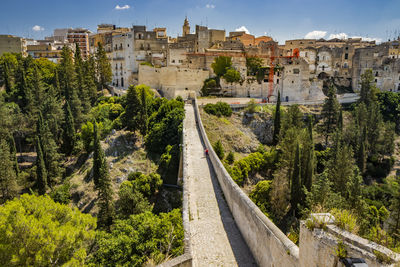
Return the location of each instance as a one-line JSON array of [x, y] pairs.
[[57, 233], [219, 109], [148, 185], [169, 164], [260, 195], [145, 236], [131, 200], [62, 193]]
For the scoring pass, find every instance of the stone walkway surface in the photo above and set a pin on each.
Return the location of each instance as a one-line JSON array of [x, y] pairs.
[[215, 238]]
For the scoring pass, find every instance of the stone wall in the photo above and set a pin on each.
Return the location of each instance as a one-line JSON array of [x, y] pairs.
[[318, 247], [173, 81], [269, 246]]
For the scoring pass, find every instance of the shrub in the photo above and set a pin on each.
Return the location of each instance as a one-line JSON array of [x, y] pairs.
[[219, 150], [62, 193], [260, 195], [219, 109], [230, 158], [345, 220]]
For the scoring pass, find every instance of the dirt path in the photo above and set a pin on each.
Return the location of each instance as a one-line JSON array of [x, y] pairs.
[[215, 238]]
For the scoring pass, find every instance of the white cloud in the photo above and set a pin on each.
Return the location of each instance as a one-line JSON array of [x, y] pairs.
[[210, 6], [315, 35], [118, 7], [242, 29], [344, 36], [37, 28], [341, 35]]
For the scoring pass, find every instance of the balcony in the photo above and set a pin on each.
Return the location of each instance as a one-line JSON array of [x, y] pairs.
[[118, 58]]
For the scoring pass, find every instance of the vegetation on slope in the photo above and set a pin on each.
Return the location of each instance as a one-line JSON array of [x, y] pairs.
[[105, 155]]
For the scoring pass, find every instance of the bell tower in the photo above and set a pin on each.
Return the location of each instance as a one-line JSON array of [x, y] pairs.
[[185, 27]]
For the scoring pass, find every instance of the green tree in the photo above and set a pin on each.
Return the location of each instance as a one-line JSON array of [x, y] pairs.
[[144, 236], [13, 153], [80, 81], [394, 185], [219, 150], [103, 67], [8, 176], [53, 113], [87, 130], [220, 65], [131, 200], [69, 137], [260, 195], [49, 149], [295, 191], [89, 79], [132, 109], [67, 77], [58, 235], [368, 92], [277, 120], [253, 65], [98, 157], [329, 113], [102, 181], [230, 158], [143, 111], [232, 76], [41, 172]]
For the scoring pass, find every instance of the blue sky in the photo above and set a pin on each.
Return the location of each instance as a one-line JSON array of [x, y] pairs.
[[281, 19]]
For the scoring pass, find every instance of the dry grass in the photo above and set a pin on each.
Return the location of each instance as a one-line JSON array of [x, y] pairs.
[[124, 154], [234, 136]]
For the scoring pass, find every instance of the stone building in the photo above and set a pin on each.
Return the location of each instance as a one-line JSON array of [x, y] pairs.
[[12, 44], [48, 49]]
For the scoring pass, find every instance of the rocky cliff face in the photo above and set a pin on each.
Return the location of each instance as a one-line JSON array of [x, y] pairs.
[[261, 125]]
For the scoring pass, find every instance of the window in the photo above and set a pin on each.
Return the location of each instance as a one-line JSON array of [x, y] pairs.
[[376, 80], [323, 68], [122, 82], [376, 74], [292, 81], [306, 54], [347, 48], [296, 71], [173, 61], [180, 61], [277, 81], [128, 45], [346, 56], [148, 46]]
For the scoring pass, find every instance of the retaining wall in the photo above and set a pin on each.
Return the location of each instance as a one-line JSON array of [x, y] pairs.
[[269, 246]]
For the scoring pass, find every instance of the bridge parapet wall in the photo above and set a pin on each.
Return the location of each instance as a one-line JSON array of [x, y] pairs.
[[270, 247]]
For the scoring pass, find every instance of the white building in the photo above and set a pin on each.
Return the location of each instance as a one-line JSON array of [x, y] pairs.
[[123, 61]]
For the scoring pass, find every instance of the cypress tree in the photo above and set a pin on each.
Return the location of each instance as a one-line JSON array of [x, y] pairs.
[[89, 72], [41, 173], [80, 81], [8, 184], [143, 113], [129, 117], [67, 77], [104, 72], [340, 121], [102, 183], [7, 78], [98, 157], [13, 153], [277, 120], [48, 149], [329, 113], [362, 154], [69, 137], [295, 192], [24, 96]]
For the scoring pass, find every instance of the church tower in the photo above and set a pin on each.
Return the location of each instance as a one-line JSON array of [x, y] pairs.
[[186, 28]]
